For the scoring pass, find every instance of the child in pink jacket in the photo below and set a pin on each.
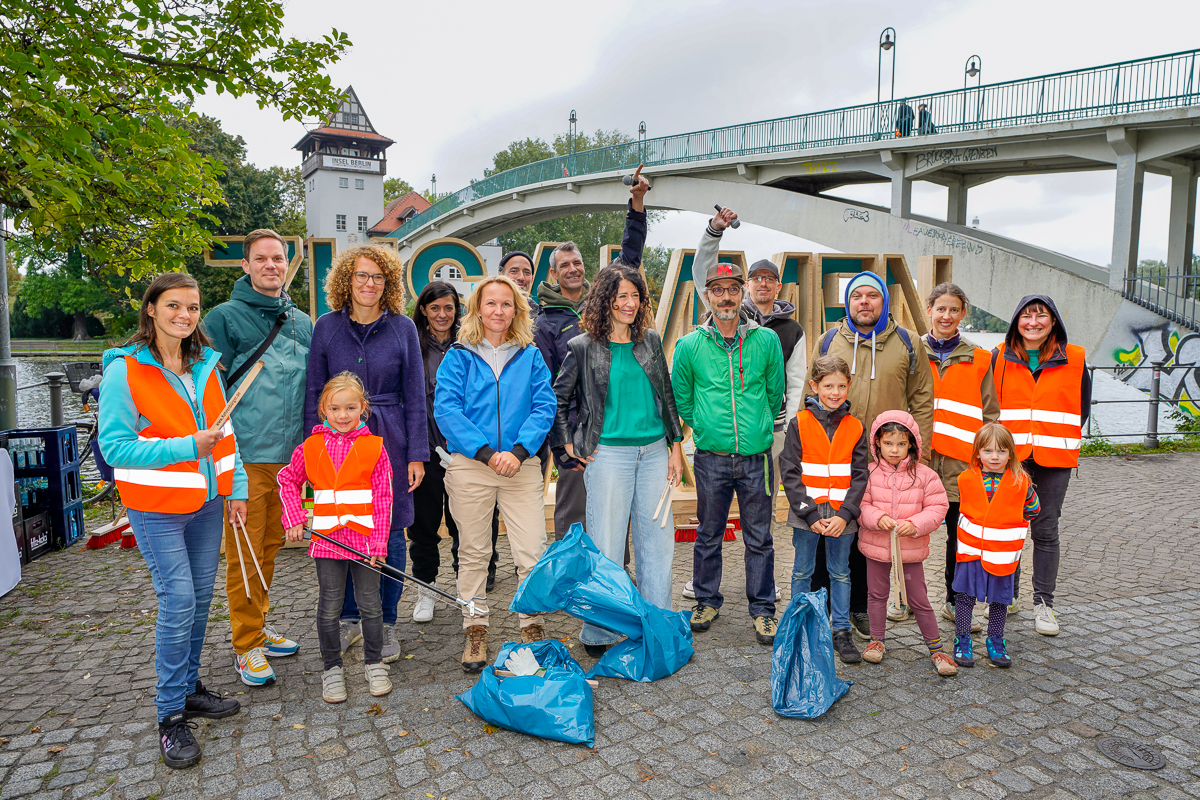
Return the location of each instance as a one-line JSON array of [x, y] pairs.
[[906, 496]]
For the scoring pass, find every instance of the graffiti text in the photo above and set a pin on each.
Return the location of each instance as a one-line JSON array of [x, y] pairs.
[[945, 238], [814, 167], [856, 213], [929, 159], [1179, 379]]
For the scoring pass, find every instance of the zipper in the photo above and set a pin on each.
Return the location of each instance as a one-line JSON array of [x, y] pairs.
[[733, 398], [495, 353]]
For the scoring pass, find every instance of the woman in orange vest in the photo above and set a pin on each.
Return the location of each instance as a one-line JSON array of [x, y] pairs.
[[823, 467], [351, 478], [159, 395], [997, 500], [964, 397], [1045, 394]]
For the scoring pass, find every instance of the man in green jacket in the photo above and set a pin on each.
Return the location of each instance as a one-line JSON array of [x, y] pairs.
[[269, 423], [728, 382]]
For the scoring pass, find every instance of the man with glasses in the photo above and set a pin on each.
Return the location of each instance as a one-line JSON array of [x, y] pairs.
[[728, 381]]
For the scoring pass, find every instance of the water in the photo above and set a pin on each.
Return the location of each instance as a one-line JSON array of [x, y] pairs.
[[33, 405]]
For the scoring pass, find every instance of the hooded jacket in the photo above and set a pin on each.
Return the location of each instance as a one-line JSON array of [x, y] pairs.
[[947, 468], [431, 356], [902, 495], [803, 510], [270, 417], [795, 354], [880, 376]]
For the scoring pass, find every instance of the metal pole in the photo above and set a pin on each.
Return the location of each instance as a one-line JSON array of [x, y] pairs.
[[1151, 440], [8, 367], [55, 381]]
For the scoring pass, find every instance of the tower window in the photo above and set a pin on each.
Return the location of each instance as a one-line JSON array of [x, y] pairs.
[[350, 119], [341, 222], [448, 272], [358, 183], [362, 224], [343, 183]]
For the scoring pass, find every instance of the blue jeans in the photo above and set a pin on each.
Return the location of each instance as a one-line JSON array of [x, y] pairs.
[[837, 561], [624, 485], [389, 589], [717, 478], [182, 551]]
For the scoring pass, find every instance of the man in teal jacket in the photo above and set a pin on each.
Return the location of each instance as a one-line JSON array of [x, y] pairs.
[[269, 423], [728, 381]]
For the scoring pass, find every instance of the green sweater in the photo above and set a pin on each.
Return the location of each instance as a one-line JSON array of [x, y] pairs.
[[631, 417]]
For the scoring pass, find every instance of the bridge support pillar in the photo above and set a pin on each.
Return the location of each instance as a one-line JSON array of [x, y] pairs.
[[901, 195], [1127, 222], [1182, 230], [956, 202]]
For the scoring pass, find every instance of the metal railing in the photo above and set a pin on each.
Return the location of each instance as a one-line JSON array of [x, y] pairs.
[[1174, 295], [1150, 438], [1146, 84], [54, 380]]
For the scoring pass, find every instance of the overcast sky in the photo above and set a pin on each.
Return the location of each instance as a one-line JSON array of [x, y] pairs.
[[454, 82]]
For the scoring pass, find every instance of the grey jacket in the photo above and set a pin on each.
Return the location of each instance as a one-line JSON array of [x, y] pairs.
[[589, 386]]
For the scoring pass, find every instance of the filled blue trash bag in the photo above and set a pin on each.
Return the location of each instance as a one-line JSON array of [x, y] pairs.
[[574, 576], [556, 705], [804, 682]]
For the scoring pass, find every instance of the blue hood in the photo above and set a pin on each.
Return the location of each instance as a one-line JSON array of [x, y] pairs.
[[882, 322]]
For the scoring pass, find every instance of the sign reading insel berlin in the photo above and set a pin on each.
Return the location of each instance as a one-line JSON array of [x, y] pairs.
[[355, 164]]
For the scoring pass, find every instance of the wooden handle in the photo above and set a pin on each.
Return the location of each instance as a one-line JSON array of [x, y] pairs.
[[223, 417]]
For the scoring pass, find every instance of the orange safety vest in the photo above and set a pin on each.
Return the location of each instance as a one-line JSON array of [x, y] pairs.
[[1043, 416], [992, 530], [178, 488], [958, 405], [825, 464], [342, 498]]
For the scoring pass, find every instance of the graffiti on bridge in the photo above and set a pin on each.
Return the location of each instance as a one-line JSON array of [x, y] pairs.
[[946, 238], [928, 159], [856, 213], [1179, 380]]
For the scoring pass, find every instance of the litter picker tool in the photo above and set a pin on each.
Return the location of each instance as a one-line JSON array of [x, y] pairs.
[[241, 560], [388, 571], [223, 417], [898, 568], [666, 491], [253, 557]]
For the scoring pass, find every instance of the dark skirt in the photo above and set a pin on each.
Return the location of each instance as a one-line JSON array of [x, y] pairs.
[[971, 578]]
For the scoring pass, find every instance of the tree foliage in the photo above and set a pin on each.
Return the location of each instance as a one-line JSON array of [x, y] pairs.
[[395, 187]]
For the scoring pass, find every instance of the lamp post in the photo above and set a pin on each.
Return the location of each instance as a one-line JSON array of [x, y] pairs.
[[642, 141], [571, 130], [433, 180], [887, 42], [973, 68]]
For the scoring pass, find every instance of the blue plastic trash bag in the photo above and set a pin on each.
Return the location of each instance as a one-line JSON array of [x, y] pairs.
[[574, 576], [804, 683], [556, 705]]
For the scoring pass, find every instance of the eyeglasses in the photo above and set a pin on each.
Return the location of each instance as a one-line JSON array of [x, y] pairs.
[[379, 279], [720, 291], [763, 279]]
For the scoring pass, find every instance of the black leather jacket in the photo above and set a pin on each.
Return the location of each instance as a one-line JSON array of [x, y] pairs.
[[588, 385]]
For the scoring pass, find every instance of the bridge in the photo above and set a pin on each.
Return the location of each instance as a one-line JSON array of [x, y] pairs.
[[1131, 118]]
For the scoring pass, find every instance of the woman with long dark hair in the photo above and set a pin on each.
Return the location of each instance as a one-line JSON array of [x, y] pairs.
[[629, 435], [159, 396]]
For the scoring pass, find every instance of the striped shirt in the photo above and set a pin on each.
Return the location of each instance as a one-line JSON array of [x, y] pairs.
[[991, 482]]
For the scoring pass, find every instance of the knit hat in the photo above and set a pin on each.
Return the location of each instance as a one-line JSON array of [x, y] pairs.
[[765, 264], [722, 270], [509, 255], [874, 281]]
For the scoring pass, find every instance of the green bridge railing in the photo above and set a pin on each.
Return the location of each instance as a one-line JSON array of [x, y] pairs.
[[1167, 81]]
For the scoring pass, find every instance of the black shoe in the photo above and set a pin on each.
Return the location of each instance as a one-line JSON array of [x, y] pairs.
[[861, 624], [491, 581], [843, 642], [175, 740], [596, 650], [209, 705]]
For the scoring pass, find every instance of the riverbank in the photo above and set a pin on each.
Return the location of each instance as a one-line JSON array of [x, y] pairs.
[[57, 348]]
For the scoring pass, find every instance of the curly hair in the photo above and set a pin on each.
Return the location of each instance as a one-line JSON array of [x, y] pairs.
[[520, 331], [341, 277], [597, 311]]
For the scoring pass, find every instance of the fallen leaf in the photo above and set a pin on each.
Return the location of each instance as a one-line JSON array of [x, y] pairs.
[[36, 729], [277, 717], [375, 709], [403, 733], [58, 748], [85, 677], [962, 741], [903, 747], [904, 768], [410, 655], [489, 728], [297, 725]]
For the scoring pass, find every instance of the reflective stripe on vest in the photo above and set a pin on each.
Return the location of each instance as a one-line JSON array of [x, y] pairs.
[[342, 498], [1043, 416], [992, 531], [826, 464], [178, 488], [958, 405]]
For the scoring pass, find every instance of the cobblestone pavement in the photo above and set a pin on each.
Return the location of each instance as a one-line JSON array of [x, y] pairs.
[[77, 682]]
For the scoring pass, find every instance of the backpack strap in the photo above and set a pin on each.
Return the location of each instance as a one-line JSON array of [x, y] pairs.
[[912, 354], [827, 340]]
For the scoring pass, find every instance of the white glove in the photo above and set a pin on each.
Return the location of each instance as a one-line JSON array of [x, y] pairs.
[[445, 457], [522, 662]]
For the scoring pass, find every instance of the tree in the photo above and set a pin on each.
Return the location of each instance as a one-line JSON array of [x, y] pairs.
[[67, 288], [89, 159], [395, 187]]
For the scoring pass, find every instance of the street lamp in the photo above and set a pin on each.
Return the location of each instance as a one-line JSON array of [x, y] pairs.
[[434, 180], [571, 131], [974, 68], [642, 130], [887, 41]]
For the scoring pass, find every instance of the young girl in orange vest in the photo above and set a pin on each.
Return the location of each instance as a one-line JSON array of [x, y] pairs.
[[823, 467], [352, 502], [997, 500]]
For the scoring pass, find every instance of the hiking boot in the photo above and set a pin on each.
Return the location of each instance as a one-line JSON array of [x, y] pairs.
[[175, 741], [898, 612], [532, 633], [703, 616], [278, 646], [764, 630], [948, 613], [475, 652], [491, 579], [391, 647], [423, 608], [861, 624], [596, 650], [378, 681], [1044, 621], [253, 668], [209, 705], [349, 633], [689, 591], [333, 685], [998, 652], [963, 651], [843, 643], [944, 664], [873, 653]]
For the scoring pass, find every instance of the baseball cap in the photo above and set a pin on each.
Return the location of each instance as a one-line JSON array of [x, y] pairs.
[[721, 271], [765, 264]]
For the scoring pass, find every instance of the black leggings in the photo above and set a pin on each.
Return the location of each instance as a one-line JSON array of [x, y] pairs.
[[431, 504]]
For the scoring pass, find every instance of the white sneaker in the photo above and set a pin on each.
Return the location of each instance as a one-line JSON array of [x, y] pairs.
[[278, 645], [253, 668], [948, 613], [778, 594], [690, 592], [1045, 622], [333, 685], [377, 680], [897, 612], [423, 609]]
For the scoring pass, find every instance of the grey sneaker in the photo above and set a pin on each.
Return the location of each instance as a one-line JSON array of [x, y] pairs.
[[898, 612], [351, 632], [391, 647]]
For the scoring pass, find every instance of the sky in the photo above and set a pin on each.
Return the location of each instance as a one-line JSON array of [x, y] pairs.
[[455, 81]]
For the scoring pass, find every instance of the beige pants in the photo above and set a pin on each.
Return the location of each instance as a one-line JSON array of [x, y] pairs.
[[474, 490]]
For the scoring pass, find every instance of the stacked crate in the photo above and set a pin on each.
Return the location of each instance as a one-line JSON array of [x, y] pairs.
[[49, 487]]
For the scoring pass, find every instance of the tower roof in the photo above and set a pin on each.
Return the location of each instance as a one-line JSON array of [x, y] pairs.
[[350, 121]]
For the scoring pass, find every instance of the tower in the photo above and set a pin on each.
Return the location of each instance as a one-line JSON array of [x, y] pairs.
[[343, 170]]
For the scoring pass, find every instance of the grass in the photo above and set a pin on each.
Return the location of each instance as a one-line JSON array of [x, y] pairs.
[[1104, 447]]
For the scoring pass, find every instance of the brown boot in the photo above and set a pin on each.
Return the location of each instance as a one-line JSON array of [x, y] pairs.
[[475, 653], [532, 633]]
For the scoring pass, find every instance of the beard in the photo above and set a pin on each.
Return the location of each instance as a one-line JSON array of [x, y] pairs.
[[725, 313], [866, 319]]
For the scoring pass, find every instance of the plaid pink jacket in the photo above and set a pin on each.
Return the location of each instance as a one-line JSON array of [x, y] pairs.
[[293, 477]]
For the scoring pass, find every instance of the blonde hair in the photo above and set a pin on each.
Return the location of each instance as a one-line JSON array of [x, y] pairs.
[[996, 435], [343, 382], [829, 365], [341, 277], [520, 331]]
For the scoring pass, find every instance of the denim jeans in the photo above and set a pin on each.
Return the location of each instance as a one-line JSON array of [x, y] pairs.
[[717, 478], [182, 551], [837, 561], [624, 484], [389, 588], [333, 580]]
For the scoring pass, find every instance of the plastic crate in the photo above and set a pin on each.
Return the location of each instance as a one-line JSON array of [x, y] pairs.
[[22, 554], [67, 524], [39, 535], [50, 451]]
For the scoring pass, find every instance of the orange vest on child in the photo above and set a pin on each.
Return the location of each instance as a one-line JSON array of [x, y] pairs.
[[177, 488], [1043, 416], [825, 464], [994, 530], [958, 405], [342, 498]]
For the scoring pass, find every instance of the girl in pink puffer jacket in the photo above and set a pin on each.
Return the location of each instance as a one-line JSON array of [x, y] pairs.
[[906, 496]]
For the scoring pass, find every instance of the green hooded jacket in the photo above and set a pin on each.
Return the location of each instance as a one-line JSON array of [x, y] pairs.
[[270, 418], [729, 395]]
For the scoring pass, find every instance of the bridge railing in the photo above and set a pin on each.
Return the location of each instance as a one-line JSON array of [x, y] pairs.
[[1141, 85], [1171, 292]]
